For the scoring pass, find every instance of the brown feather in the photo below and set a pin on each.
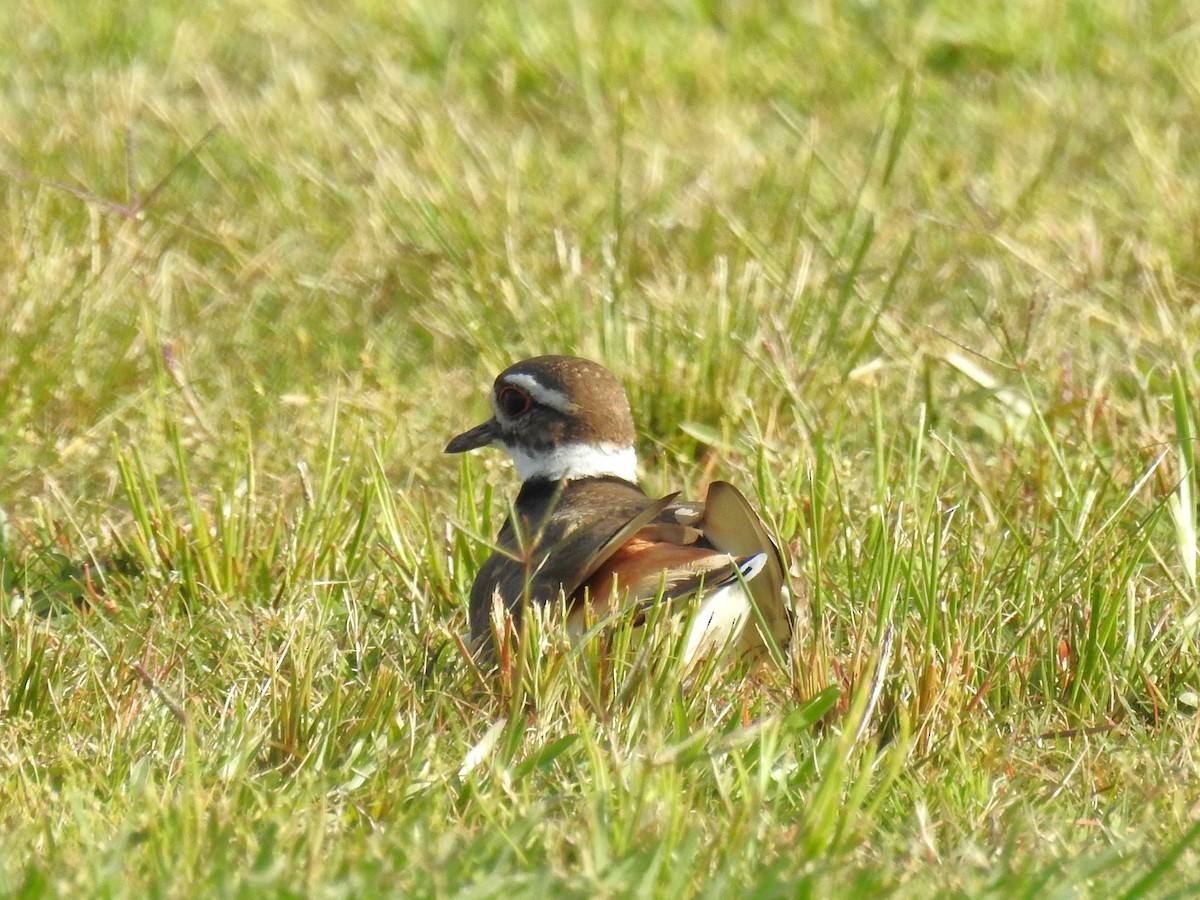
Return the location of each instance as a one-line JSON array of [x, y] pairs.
[[731, 525]]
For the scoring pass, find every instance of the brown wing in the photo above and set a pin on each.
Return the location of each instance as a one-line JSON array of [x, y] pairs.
[[588, 566], [730, 524], [644, 567], [568, 554]]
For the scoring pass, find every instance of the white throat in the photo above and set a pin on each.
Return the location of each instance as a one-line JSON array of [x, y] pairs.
[[575, 461]]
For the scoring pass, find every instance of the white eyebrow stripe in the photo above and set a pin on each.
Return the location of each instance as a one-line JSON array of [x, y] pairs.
[[546, 396], [575, 460]]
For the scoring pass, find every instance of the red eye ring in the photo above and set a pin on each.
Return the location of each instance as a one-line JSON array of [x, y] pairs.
[[513, 401]]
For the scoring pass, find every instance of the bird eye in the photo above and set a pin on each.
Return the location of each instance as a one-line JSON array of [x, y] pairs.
[[514, 401]]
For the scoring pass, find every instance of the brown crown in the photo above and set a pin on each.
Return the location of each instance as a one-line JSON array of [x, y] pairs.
[[600, 410]]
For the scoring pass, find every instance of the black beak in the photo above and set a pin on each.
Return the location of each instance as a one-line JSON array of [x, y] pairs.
[[479, 436]]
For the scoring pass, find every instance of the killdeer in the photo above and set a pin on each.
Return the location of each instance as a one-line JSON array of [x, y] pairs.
[[583, 530]]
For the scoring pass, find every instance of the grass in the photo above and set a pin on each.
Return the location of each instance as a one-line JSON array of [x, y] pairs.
[[922, 279]]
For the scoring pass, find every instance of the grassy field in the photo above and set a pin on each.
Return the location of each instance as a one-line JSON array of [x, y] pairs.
[[923, 279]]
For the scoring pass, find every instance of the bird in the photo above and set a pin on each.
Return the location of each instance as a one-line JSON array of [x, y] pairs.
[[583, 530]]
